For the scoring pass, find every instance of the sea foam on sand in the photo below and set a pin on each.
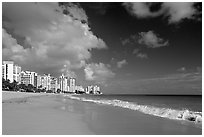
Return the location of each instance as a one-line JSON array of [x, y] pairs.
[[151, 110]]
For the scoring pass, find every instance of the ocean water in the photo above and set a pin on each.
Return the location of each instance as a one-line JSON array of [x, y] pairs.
[[175, 107]]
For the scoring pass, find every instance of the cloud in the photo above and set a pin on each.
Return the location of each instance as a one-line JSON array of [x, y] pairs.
[[125, 41], [99, 7], [98, 72], [177, 11], [74, 10], [130, 40], [151, 40], [140, 54], [135, 51], [182, 69], [140, 9], [55, 39], [174, 11], [121, 63]]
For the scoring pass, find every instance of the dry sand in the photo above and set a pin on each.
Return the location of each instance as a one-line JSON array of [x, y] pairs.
[[6, 95], [56, 115], [32, 114]]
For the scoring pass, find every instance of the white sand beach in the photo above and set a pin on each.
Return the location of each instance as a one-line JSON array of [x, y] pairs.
[[6, 95], [51, 114]]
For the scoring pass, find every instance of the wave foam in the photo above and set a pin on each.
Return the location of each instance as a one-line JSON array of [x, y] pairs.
[[151, 110]]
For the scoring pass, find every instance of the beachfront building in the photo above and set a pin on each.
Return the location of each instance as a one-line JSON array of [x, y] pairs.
[[53, 84], [7, 70], [93, 90], [63, 83], [79, 88], [89, 89], [46, 81], [28, 77], [72, 84], [10, 71], [17, 73], [96, 90], [39, 81]]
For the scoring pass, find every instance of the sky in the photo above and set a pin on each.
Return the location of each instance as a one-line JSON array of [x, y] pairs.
[[126, 48]]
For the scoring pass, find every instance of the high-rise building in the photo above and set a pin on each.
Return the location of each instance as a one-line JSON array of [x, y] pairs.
[[63, 83], [7, 70], [34, 78], [11, 72], [17, 73], [39, 81], [66, 80], [53, 84], [72, 84], [28, 77], [46, 81]]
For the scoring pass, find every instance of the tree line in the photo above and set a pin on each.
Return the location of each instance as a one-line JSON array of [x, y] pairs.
[[14, 86]]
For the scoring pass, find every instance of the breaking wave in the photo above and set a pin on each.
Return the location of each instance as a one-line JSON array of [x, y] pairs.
[[151, 110]]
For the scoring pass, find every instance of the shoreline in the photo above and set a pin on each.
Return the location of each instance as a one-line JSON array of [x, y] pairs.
[[39, 115], [7, 95], [59, 115]]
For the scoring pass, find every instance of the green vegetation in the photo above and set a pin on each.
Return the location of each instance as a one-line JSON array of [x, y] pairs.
[[14, 86]]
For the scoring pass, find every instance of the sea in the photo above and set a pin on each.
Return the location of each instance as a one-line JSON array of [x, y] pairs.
[[175, 107]]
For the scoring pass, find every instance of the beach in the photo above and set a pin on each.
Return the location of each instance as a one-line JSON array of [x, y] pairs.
[[53, 114]]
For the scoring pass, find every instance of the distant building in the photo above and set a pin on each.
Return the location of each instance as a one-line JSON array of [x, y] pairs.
[[53, 84], [89, 89], [28, 77], [39, 81], [79, 88], [63, 83], [96, 89], [72, 84], [93, 90], [46, 82]]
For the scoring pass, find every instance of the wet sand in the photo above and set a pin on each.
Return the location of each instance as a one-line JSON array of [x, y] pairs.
[[57, 115]]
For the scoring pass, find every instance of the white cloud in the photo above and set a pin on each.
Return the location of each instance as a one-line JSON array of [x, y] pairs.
[[121, 63], [140, 9], [55, 39], [98, 72], [174, 11], [11, 49], [151, 40], [74, 10]]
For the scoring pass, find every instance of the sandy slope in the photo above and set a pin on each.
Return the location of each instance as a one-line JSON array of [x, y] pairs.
[[6, 95], [32, 114]]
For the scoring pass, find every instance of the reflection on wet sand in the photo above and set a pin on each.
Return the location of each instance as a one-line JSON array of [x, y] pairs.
[[56, 114]]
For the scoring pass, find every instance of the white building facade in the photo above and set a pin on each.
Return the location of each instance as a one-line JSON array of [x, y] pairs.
[[7, 70], [63, 83], [17, 73], [72, 84], [46, 82], [28, 77]]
